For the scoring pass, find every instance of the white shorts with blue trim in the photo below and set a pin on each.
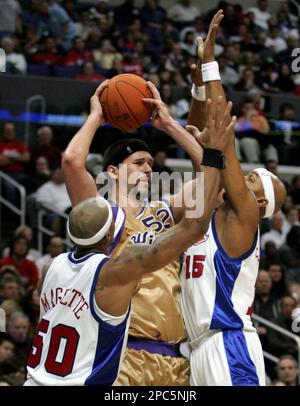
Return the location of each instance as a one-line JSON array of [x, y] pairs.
[[228, 358]]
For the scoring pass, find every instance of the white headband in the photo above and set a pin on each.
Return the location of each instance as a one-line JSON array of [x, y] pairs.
[[101, 233], [266, 180]]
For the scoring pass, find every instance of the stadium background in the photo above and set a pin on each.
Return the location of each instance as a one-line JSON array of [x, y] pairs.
[[48, 83]]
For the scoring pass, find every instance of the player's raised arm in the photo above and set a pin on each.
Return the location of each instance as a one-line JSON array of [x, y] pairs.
[[80, 183], [209, 67], [162, 120]]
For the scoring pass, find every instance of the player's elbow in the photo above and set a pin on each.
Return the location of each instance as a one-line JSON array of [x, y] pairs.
[[70, 160]]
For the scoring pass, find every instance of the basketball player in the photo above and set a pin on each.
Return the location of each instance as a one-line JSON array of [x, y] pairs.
[[219, 271], [85, 295]]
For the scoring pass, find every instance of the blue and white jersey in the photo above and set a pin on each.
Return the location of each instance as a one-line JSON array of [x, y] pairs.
[[217, 291], [76, 343]]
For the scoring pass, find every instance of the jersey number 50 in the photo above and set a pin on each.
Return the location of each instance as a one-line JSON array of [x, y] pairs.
[[194, 269], [57, 362]]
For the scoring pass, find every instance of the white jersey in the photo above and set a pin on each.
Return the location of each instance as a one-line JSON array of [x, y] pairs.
[[76, 343], [217, 291]]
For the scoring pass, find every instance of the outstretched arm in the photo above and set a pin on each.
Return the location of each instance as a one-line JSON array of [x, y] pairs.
[[240, 216], [80, 183], [119, 276]]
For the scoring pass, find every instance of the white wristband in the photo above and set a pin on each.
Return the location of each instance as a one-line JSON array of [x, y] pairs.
[[210, 71], [198, 93]]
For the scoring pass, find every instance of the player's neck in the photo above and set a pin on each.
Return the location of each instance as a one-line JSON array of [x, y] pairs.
[[125, 202], [79, 252]]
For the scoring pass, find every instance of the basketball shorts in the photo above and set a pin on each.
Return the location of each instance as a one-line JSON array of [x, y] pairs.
[[141, 368], [228, 358]]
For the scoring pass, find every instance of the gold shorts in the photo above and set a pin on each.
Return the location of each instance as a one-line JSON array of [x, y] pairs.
[[141, 368]]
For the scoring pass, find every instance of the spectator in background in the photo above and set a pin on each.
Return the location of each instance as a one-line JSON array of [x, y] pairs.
[[106, 55], [264, 304], [17, 257], [7, 348], [55, 20], [247, 81], [293, 274], [84, 25], [53, 194], [228, 75], [71, 9], [278, 343], [269, 254], [102, 10], [289, 144], [18, 327], [48, 54], [261, 14], [10, 21], [291, 218], [152, 17], [289, 252], [183, 13], [14, 155], [78, 55], [277, 274], [125, 14], [287, 370], [275, 41], [44, 148], [12, 372], [89, 74], [276, 233], [251, 129], [40, 176], [10, 287], [285, 82], [25, 231], [55, 247], [15, 61], [30, 304]]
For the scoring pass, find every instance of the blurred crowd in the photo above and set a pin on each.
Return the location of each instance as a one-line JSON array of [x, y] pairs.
[[95, 41]]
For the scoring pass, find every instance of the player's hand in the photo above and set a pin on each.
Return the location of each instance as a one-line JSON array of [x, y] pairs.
[[219, 130], [161, 117], [210, 41], [96, 111], [196, 73]]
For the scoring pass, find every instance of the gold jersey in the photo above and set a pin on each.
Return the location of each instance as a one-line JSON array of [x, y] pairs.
[[155, 309]]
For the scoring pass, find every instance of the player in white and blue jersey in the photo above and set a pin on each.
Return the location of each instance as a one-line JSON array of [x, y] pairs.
[[218, 277]]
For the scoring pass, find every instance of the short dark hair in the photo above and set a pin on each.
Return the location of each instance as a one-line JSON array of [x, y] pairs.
[[120, 150]]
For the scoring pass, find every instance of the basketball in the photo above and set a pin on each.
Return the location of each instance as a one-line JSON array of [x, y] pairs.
[[122, 102]]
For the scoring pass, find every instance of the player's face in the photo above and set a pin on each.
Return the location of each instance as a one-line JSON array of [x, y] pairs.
[[254, 183], [138, 170]]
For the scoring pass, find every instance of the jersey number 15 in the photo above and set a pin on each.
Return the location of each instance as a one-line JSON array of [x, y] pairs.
[[195, 267]]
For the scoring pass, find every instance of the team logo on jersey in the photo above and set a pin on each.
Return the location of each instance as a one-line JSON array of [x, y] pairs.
[[202, 239], [147, 237]]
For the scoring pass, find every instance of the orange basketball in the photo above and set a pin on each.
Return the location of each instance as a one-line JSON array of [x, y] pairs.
[[122, 103]]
